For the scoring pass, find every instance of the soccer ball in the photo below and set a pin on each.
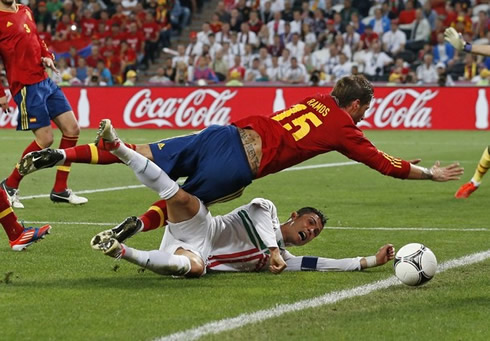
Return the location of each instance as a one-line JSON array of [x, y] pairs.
[[415, 264]]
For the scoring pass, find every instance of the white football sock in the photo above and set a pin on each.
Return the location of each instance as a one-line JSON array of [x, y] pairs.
[[148, 173], [160, 262]]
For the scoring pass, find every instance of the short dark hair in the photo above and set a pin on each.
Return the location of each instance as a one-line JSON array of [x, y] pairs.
[[349, 88], [306, 210]]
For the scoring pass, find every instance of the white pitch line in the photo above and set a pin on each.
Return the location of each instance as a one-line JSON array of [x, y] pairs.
[[216, 327], [121, 188], [393, 229], [471, 229]]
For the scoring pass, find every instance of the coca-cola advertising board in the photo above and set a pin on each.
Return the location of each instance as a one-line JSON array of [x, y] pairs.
[[197, 108]]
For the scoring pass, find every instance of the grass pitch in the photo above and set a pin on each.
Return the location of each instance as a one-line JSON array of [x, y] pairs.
[[60, 289]]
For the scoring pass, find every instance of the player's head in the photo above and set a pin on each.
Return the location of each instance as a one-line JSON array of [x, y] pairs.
[[303, 226], [353, 94]]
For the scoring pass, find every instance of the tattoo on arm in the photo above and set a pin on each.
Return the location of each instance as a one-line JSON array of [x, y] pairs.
[[249, 145]]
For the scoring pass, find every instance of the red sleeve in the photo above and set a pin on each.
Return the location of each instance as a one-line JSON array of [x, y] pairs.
[[357, 147], [2, 91]]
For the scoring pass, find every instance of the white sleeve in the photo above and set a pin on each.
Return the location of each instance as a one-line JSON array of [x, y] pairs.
[[264, 217], [307, 263]]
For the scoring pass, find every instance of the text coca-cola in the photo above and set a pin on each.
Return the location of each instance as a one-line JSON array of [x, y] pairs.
[[200, 107]]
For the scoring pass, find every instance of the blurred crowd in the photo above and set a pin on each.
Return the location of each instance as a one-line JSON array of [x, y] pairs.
[[310, 42]]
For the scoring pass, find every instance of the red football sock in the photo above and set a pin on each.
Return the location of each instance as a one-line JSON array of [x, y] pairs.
[[8, 218], [89, 153], [14, 178], [61, 182], [155, 216]]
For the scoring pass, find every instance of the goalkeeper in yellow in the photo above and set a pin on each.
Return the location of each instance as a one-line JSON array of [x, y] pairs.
[[455, 39]]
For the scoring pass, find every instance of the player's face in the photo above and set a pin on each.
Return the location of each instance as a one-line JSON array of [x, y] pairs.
[[303, 229], [358, 114]]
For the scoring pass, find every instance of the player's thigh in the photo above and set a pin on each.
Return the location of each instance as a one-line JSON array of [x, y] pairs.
[[33, 112]]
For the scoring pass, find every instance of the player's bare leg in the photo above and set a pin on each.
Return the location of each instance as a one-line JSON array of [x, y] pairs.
[[70, 129]]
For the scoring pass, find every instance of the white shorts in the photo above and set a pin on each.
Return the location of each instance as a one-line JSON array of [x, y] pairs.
[[196, 234]]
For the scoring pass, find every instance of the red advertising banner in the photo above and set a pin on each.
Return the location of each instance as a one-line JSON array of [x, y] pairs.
[[197, 108]]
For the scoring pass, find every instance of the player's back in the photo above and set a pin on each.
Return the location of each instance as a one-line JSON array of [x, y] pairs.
[[298, 133]]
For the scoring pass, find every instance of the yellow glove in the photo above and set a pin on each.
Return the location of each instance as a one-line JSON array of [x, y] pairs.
[[455, 39]]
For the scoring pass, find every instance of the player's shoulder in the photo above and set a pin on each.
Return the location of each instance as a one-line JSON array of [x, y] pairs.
[[265, 204]]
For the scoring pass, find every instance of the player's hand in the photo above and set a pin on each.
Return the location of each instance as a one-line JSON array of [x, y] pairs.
[[385, 254], [454, 38], [277, 264], [451, 172], [4, 104], [49, 63]]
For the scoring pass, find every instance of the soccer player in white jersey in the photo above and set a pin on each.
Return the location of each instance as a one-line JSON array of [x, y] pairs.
[[250, 238]]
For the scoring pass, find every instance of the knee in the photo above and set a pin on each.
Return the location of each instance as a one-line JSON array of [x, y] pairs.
[[72, 129], [45, 140], [197, 267]]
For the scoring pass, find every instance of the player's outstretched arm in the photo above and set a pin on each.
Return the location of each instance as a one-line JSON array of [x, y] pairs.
[[436, 172], [456, 40], [383, 256]]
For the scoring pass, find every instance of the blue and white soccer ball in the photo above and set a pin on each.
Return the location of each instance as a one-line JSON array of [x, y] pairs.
[[415, 264]]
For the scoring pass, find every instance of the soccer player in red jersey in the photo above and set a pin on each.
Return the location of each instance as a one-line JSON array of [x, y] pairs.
[[39, 100], [255, 147]]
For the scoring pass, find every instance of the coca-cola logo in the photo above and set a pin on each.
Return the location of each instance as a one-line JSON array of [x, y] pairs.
[[202, 107], [401, 108]]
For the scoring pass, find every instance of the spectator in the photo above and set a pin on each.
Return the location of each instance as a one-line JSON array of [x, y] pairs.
[[94, 56], [42, 15], [264, 37], [380, 23], [347, 11], [194, 48], [429, 14], [443, 51], [235, 79], [419, 32], [276, 26], [220, 65], [484, 78], [88, 24], [407, 15], [213, 46], [394, 40], [274, 73], [72, 59], [342, 47], [375, 61], [319, 24], [344, 68], [296, 47], [264, 57], [235, 20], [253, 72], [444, 79], [358, 25], [224, 35], [181, 56], [338, 25], [236, 47], [82, 70], [151, 36], [297, 22], [352, 38], [254, 22], [223, 14], [237, 66], [215, 24], [277, 46], [287, 12], [103, 73], [296, 73], [481, 26], [203, 35], [182, 74], [130, 78], [266, 14], [368, 37], [243, 9], [426, 72], [307, 36], [203, 73], [159, 78], [470, 67], [245, 36], [263, 77]]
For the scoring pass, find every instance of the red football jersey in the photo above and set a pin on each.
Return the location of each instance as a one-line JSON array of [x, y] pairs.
[[21, 49], [314, 126]]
